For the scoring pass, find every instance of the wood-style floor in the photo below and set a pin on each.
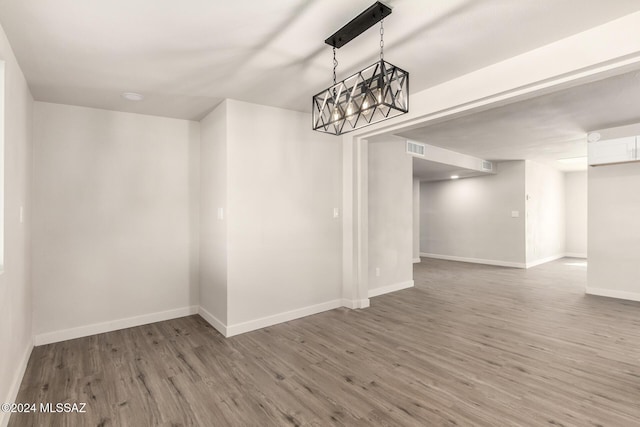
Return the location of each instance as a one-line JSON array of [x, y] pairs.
[[470, 345]]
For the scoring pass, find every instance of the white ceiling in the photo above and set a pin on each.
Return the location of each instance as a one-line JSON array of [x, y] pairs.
[[426, 170], [187, 56], [546, 128]]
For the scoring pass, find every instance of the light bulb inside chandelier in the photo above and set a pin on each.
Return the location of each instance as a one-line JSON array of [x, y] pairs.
[[350, 109], [377, 93]]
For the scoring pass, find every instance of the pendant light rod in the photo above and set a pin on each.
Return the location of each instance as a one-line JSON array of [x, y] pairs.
[[358, 25]]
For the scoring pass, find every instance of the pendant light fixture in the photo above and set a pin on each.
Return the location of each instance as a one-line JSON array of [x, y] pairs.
[[378, 92]]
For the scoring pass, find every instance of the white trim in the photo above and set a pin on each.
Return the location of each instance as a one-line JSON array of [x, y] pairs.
[[545, 260], [213, 321], [113, 325], [475, 260], [612, 293], [416, 260], [390, 288], [263, 322], [354, 304], [15, 385], [575, 255], [348, 303]]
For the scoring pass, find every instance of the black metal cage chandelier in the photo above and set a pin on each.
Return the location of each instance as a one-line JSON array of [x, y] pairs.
[[377, 93]]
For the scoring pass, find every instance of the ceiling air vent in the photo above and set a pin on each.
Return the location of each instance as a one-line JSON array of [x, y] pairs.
[[415, 148], [487, 166]]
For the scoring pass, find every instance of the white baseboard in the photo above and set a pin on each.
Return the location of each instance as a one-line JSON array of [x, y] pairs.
[[354, 304], [416, 260], [114, 325], [475, 260], [575, 255], [15, 385], [544, 260], [213, 321], [226, 330], [390, 288], [252, 325], [612, 293]]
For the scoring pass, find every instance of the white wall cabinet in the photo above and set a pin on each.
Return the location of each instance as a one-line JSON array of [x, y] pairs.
[[611, 151]]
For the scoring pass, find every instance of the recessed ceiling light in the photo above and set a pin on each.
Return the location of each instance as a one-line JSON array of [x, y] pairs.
[[454, 177], [132, 96], [593, 137]]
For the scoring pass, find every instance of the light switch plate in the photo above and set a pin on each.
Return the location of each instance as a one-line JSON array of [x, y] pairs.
[[515, 214]]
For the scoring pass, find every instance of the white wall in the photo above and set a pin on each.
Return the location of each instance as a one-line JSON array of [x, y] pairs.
[[112, 219], [15, 290], [470, 219], [284, 246], [545, 224], [390, 216], [213, 230], [614, 231], [576, 213], [416, 220]]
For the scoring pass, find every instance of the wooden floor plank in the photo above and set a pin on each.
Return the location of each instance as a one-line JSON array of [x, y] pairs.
[[468, 345]]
